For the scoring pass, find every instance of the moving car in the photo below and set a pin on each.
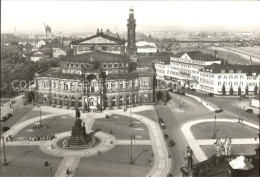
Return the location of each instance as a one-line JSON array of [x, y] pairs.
[[250, 111]]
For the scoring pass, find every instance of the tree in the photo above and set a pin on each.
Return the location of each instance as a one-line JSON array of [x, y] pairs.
[[223, 90], [239, 91], [255, 90], [77, 113], [246, 92], [231, 91]]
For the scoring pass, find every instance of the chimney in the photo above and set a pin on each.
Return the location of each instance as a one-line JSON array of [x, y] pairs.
[[216, 53], [97, 31], [250, 60]]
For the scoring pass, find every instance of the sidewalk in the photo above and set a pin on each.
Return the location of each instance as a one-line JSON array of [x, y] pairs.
[[246, 105], [205, 103]]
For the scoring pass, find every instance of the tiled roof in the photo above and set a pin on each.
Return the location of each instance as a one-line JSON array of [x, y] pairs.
[[66, 49], [196, 55], [118, 40], [146, 46], [228, 68], [98, 56]]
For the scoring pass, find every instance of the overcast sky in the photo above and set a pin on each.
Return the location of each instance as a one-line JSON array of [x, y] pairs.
[[87, 16]]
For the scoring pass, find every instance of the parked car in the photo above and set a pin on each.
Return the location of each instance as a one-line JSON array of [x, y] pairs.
[[182, 93], [9, 115], [210, 94], [219, 110], [162, 125], [3, 119], [5, 128], [250, 111], [170, 90], [194, 90]]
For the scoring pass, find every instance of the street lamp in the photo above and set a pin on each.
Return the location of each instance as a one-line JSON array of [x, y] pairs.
[[40, 115], [46, 164], [131, 123], [214, 135], [132, 162], [131, 150], [5, 163]]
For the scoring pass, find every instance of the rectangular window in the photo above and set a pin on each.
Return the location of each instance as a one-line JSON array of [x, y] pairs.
[[92, 48], [104, 48], [68, 65], [77, 65], [110, 65], [71, 65], [115, 65], [104, 65]]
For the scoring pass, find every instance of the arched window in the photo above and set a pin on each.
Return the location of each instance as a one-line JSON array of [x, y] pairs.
[[120, 100], [133, 84], [121, 85], [134, 98], [113, 86], [127, 100], [72, 86], [80, 87], [113, 101], [127, 85], [66, 86], [91, 102]]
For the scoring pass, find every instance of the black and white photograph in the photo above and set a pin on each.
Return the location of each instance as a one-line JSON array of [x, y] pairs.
[[130, 88]]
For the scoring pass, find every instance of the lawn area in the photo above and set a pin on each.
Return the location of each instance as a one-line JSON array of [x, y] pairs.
[[115, 163], [238, 149], [251, 50], [4, 100], [149, 114], [32, 114], [120, 125], [233, 130], [56, 124], [18, 113], [27, 162]]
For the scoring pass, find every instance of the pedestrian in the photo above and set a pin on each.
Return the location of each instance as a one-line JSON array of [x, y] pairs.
[[255, 138], [68, 171], [149, 160]]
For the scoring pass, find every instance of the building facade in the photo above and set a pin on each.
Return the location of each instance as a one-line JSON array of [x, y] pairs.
[[95, 79], [131, 36], [230, 79], [92, 82], [99, 42], [184, 68]]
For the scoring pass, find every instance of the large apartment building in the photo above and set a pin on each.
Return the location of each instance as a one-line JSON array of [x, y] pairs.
[[218, 79], [184, 67], [206, 74]]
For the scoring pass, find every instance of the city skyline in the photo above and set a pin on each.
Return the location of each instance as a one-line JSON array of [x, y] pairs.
[[87, 16]]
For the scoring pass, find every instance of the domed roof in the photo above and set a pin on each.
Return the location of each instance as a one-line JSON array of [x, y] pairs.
[[47, 28]]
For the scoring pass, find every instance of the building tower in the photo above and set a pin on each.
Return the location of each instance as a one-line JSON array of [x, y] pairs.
[[131, 24]]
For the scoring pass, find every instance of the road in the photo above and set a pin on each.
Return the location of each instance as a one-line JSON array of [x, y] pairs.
[[18, 112], [229, 106], [174, 117]]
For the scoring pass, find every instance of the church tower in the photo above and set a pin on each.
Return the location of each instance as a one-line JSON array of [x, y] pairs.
[[131, 24]]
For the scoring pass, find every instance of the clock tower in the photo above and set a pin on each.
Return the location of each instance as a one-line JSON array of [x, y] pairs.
[[131, 24]]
